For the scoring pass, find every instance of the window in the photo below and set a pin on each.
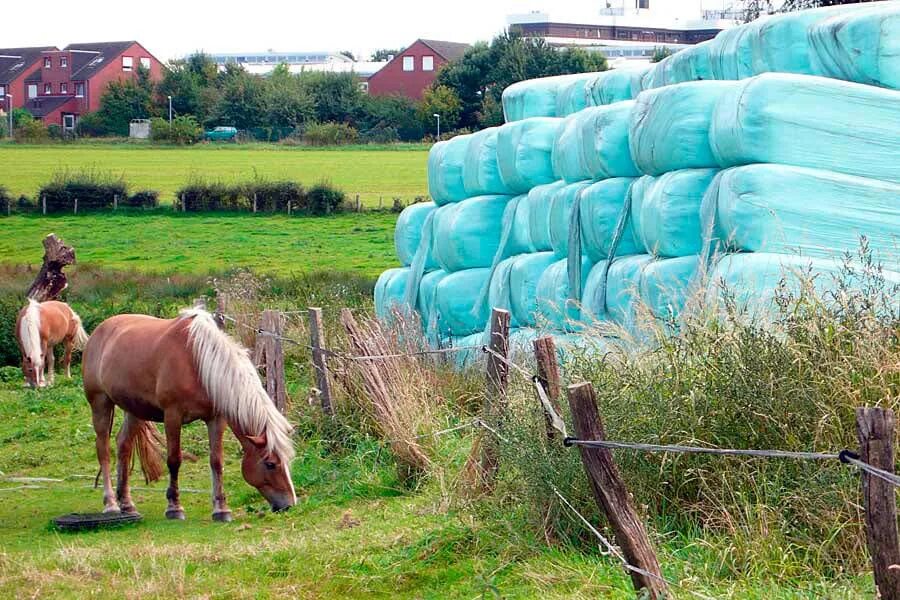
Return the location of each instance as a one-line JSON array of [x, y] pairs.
[[409, 63], [32, 90], [127, 63], [63, 61], [145, 62], [64, 88], [48, 88], [68, 122], [47, 62], [79, 90], [428, 63], [2, 92], [643, 4]]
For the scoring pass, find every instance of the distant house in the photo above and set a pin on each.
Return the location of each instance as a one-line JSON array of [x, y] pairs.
[[413, 70], [15, 65], [65, 84]]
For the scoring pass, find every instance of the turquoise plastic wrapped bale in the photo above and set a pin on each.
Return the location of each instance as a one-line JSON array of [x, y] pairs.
[[481, 173], [669, 222], [454, 302], [427, 288], [408, 233], [861, 45], [670, 126], [561, 205], [389, 293], [535, 97], [731, 52], [520, 238], [574, 94], [665, 285], [809, 121], [521, 343], [795, 210], [524, 153], [690, 64], [567, 157], [623, 286], [616, 85], [593, 144], [600, 208], [514, 285], [467, 234], [554, 307], [445, 170], [470, 355], [538, 202], [574, 347], [592, 310]]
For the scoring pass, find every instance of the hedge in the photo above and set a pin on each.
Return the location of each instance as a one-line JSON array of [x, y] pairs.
[[92, 191], [271, 196]]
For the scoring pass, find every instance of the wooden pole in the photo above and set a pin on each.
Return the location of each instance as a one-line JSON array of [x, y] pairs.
[[611, 495], [44, 204], [875, 430], [269, 354], [76, 206], [254, 202], [221, 310], [358, 204], [495, 393], [548, 373], [320, 363], [115, 202]]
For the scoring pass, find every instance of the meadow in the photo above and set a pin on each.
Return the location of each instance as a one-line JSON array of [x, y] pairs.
[[372, 172]]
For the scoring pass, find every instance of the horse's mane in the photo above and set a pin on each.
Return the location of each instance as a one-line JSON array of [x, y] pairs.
[[233, 385], [30, 331]]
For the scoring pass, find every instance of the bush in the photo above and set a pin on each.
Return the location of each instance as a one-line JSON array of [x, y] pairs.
[[92, 189], [31, 131], [25, 205], [274, 196], [143, 199], [200, 196], [91, 125], [6, 200], [54, 131], [381, 134], [330, 134], [159, 129], [323, 199], [183, 130]]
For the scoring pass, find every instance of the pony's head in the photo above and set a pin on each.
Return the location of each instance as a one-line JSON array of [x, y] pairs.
[[268, 471], [33, 369]]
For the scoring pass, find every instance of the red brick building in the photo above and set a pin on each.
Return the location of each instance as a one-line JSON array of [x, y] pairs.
[[15, 65], [413, 70], [65, 84]]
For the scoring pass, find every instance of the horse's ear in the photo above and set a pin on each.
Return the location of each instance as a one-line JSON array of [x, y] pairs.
[[258, 440]]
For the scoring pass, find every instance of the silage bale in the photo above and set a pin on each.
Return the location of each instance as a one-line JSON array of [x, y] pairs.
[[616, 85], [524, 152], [690, 64], [670, 126], [389, 293], [566, 155], [560, 216], [665, 285], [408, 233], [446, 161], [538, 203], [427, 288], [599, 211], [623, 284], [469, 355], [731, 51], [669, 208], [554, 307], [454, 303], [860, 44], [574, 94], [514, 285], [593, 306], [808, 121], [795, 210], [535, 97], [467, 234], [481, 173], [593, 144]]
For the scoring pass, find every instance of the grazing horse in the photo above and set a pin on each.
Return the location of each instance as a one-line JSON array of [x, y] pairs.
[[39, 328], [176, 371]]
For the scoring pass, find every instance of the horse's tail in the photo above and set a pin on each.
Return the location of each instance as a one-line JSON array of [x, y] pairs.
[[150, 452], [81, 336]]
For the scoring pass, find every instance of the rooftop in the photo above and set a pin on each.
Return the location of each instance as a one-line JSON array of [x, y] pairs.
[[14, 61]]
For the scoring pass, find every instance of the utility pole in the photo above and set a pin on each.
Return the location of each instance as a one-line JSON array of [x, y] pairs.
[[170, 111], [438, 117], [9, 100]]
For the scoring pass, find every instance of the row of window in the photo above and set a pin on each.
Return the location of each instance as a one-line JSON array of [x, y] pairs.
[[127, 62], [409, 63], [63, 62], [63, 89]]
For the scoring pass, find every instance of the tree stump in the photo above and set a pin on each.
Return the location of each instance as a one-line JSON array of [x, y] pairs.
[[51, 281]]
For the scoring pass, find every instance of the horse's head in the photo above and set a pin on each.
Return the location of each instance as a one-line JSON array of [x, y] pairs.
[[33, 371], [267, 472]]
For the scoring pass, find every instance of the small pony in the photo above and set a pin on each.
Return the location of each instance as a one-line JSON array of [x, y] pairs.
[[177, 371], [39, 328]]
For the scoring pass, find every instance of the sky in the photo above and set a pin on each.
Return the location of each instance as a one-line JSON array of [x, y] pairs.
[[175, 28]]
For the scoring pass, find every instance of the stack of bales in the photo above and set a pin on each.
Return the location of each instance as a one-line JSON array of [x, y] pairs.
[[771, 148]]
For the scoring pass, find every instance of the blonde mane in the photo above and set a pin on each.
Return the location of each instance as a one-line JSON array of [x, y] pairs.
[[233, 385], [30, 331]]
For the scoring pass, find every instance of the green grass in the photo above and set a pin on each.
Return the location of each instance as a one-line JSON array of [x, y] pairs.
[[382, 172], [164, 242]]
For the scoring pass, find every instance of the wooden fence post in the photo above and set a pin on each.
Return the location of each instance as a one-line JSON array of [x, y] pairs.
[[495, 393], [875, 429], [221, 310], [76, 206], [317, 341], [611, 495], [254, 202], [44, 204], [269, 353], [358, 204], [115, 202], [548, 372]]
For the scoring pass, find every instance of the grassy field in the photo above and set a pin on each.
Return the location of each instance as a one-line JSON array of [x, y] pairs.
[[371, 173], [165, 242]]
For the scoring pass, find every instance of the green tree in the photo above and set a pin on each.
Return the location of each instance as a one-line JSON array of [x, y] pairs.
[[443, 101], [286, 101], [660, 53], [336, 96], [383, 54], [126, 100], [242, 102], [389, 118], [192, 84]]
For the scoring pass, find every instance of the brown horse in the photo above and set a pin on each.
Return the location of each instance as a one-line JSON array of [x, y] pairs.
[[176, 371], [39, 328]]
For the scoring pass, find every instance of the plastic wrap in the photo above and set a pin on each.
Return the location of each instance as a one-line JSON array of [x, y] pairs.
[[560, 216], [467, 234], [860, 44], [669, 212], [554, 307], [809, 121], [690, 64], [593, 144], [731, 51], [524, 153], [574, 94], [795, 210], [389, 292], [623, 289], [514, 285], [665, 285], [591, 309], [567, 156], [670, 126], [454, 302], [427, 289], [408, 233], [616, 85], [538, 203], [536, 97], [481, 173], [471, 357], [600, 207], [445, 170]]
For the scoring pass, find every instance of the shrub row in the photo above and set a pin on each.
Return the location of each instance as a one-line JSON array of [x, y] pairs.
[[267, 196]]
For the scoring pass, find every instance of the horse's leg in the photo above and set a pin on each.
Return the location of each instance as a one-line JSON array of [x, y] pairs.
[[102, 415], [67, 358], [216, 430], [173, 460], [125, 442], [51, 364]]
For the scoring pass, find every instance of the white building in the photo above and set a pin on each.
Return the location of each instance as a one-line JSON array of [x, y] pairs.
[[261, 63]]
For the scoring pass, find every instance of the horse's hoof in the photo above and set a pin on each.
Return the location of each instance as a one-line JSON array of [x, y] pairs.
[[129, 509], [222, 517], [177, 514], [111, 509]]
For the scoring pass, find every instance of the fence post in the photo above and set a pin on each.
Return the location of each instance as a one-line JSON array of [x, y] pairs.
[[221, 310], [875, 430], [115, 202], [269, 353], [548, 373], [317, 341], [611, 495], [495, 393], [76, 206], [183, 205], [254, 202], [44, 204]]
